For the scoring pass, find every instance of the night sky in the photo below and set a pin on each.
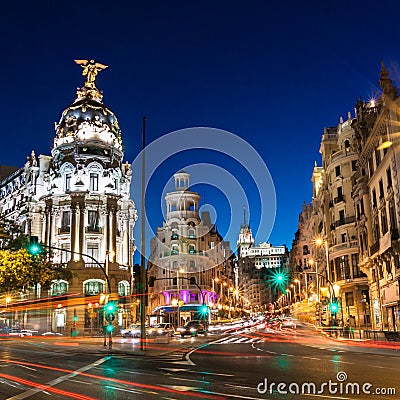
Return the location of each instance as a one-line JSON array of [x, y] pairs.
[[273, 73]]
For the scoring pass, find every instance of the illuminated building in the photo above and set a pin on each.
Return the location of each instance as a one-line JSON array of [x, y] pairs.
[[377, 198], [78, 200], [186, 254], [254, 263]]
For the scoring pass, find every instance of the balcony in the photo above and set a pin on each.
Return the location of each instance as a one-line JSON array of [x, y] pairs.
[[339, 199], [93, 229], [345, 221], [374, 248], [64, 229]]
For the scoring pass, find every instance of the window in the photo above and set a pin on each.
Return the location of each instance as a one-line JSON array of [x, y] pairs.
[[123, 288], [65, 221], [371, 167], [374, 202], [347, 145], [337, 170], [92, 250], [381, 192], [341, 217], [94, 182], [211, 245], [389, 178], [192, 249], [354, 165], [65, 255], [377, 157], [349, 299], [59, 288], [344, 267], [93, 220], [67, 182], [93, 287], [384, 223], [191, 234]]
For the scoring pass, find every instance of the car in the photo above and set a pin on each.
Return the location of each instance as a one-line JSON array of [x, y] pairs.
[[132, 331], [163, 329], [52, 334], [20, 332], [288, 323], [193, 328]]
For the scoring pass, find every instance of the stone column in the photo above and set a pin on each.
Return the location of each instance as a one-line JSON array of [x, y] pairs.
[[74, 231]]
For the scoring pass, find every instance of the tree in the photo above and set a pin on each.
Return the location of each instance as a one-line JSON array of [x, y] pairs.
[[20, 270]]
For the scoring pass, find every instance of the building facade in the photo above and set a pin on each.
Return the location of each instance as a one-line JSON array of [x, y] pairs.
[[77, 202], [377, 201], [189, 260], [254, 265]]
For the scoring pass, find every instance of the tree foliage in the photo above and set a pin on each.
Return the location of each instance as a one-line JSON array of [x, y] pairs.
[[20, 270]]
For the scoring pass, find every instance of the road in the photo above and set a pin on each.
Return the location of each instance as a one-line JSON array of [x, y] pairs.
[[236, 365]]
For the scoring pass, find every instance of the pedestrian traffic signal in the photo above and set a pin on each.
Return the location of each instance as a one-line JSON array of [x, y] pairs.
[[34, 247]]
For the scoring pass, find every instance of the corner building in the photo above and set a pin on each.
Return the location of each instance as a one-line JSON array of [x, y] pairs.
[[78, 200]]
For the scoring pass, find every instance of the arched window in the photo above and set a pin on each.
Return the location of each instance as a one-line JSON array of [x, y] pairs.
[[123, 288], [192, 249], [191, 234], [59, 288], [175, 249], [93, 287], [192, 280]]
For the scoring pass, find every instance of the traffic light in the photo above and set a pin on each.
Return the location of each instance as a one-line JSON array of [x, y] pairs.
[[278, 278], [204, 309], [109, 328], [334, 307], [111, 307], [34, 247], [152, 279]]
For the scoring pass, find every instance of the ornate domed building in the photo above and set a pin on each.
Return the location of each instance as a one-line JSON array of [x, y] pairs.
[[77, 201]]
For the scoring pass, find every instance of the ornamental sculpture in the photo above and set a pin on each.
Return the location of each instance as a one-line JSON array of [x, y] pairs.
[[90, 70]]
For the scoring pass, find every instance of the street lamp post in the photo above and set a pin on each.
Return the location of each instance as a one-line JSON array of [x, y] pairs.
[[319, 242], [294, 290], [298, 281], [311, 262]]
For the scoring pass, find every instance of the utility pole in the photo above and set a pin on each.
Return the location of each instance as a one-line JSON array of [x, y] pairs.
[[143, 280]]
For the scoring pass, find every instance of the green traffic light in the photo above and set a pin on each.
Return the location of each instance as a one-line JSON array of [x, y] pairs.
[[34, 247], [204, 309], [110, 307], [109, 328], [334, 308]]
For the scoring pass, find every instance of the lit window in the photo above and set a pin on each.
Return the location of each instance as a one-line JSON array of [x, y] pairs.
[[94, 182]]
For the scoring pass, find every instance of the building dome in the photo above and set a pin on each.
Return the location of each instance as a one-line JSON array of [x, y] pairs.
[[88, 119]]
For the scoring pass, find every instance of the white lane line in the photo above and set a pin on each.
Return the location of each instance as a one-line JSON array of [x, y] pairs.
[[137, 391], [311, 358], [242, 340], [54, 382]]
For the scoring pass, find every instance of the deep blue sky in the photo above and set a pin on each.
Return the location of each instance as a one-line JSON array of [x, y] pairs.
[[274, 73]]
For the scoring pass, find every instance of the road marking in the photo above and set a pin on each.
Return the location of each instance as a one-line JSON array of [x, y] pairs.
[[311, 358], [54, 382]]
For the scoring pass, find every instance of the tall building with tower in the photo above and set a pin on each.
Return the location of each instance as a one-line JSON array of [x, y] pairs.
[[77, 202]]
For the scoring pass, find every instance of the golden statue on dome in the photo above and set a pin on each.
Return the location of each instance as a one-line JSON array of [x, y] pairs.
[[90, 70]]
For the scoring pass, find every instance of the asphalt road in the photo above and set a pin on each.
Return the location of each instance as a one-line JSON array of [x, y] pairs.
[[241, 365]]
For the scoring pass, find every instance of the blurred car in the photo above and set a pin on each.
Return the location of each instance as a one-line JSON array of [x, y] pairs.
[[193, 328], [164, 329], [51, 334], [20, 332], [132, 331], [288, 323]]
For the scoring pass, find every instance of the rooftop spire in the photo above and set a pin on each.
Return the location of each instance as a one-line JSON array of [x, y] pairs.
[[386, 83], [90, 70]]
